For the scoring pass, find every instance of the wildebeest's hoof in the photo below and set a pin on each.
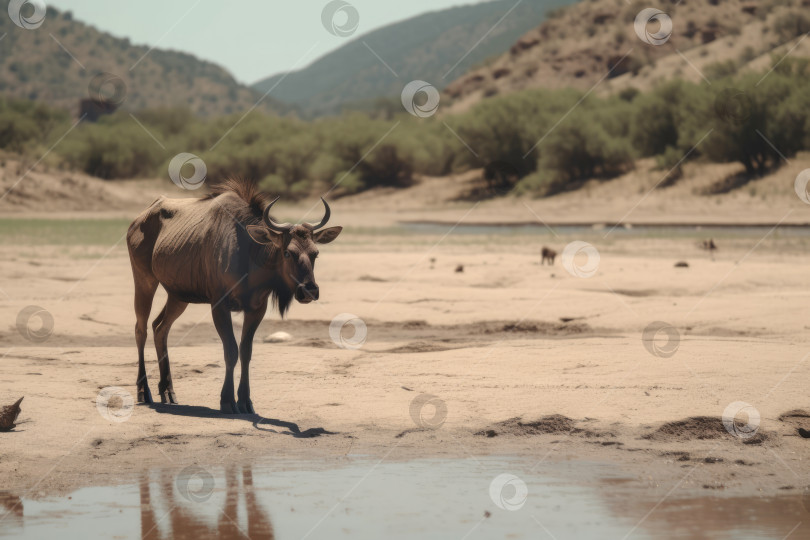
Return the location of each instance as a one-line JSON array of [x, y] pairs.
[[228, 407], [145, 396], [246, 407], [167, 396]]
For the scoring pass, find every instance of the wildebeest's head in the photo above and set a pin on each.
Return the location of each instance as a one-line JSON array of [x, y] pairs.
[[297, 244]]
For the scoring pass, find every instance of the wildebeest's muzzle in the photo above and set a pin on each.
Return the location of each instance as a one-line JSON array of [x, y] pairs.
[[306, 292]]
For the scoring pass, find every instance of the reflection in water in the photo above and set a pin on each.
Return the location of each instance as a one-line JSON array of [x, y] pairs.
[[184, 523], [11, 509], [360, 499]]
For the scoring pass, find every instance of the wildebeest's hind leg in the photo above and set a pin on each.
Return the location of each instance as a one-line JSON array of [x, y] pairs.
[[224, 326], [145, 287], [252, 321], [161, 326]]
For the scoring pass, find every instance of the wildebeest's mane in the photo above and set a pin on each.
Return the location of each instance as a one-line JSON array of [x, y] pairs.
[[247, 190]]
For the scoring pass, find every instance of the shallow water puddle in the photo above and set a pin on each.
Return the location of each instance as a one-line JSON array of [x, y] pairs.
[[366, 499], [647, 230]]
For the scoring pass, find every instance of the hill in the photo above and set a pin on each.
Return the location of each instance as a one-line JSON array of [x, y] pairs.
[[37, 64], [429, 47], [595, 42]]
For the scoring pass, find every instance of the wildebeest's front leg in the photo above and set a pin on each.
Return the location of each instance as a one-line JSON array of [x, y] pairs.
[[224, 326], [252, 321]]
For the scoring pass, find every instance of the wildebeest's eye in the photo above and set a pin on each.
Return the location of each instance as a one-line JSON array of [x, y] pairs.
[[286, 253]]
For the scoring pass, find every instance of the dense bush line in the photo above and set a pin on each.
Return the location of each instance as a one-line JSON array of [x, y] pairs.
[[548, 140]]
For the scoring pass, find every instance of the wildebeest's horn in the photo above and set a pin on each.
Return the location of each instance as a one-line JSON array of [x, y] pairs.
[[326, 216], [272, 225]]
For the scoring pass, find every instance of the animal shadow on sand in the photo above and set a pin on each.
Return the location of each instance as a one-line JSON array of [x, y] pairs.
[[259, 422]]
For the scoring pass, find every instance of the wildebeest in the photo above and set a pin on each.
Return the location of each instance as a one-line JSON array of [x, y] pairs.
[[548, 253], [224, 250], [709, 246]]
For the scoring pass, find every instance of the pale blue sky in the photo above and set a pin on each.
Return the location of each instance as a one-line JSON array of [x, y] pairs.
[[251, 38]]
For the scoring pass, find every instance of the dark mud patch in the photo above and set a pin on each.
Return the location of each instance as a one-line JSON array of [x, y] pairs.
[[317, 343], [702, 428], [372, 279], [419, 347], [641, 293], [795, 415], [411, 430], [534, 327], [799, 420], [553, 424], [411, 325], [718, 331]]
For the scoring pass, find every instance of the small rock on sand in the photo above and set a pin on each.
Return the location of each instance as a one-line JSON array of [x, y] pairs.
[[681, 264], [278, 337]]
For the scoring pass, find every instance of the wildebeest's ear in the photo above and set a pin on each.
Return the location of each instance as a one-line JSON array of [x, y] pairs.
[[327, 235], [263, 235]]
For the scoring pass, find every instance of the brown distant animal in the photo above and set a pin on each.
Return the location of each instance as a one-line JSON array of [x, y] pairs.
[[548, 254], [709, 244], [459, 268], [9, 414], [224, 250]]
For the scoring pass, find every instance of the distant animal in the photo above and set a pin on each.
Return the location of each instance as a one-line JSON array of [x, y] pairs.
[[9, 414], [459, 268], [709, 246], [549, 255], [681, 264], [227, 251]]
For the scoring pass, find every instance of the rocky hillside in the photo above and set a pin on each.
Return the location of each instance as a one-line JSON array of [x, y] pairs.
[[57, 62], [426, 47], [596, 40]]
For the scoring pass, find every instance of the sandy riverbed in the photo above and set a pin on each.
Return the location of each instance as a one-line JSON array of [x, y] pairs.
[[489, 344]]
